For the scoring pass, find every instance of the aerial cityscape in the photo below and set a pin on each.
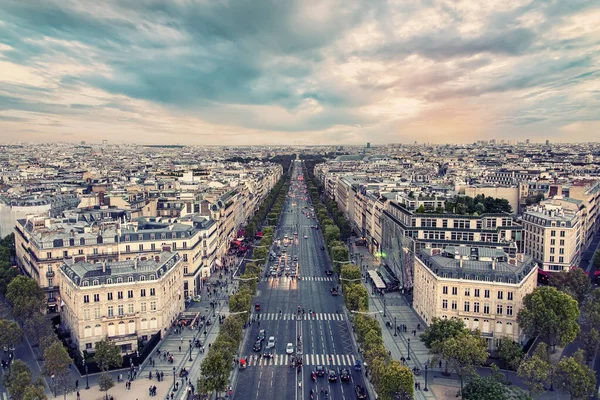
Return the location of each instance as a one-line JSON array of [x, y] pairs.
[[260, 200]]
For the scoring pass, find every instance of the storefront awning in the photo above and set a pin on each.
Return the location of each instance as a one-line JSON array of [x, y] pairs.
[[379, 284]]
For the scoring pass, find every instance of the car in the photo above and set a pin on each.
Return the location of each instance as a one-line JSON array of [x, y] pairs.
[[257, 307], [295, 233], [322, 247], [257, 345], [271, 342], [345, 374], [261, 335], [331, 376], [329, 272], [284, 250], [287, 269], [361, 393], [273, 273], [295, 258], [333, 291], [280, 272], [289, 349], [320, 370], [305, 237]]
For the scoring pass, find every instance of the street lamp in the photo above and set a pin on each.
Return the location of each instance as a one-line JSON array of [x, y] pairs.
[[426, 368], [408, 357], [190, 352], [87, 381], [173, 378], [395, 328], [384, 306]]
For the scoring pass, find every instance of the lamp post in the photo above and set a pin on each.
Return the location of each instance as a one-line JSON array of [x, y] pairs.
[[395, 327], [190, 351], [408, 357], [384, 307], [426, 368], [173, 378], [87, 381]]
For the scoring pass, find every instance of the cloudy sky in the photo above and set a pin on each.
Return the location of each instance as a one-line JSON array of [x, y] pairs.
[[298, 72]]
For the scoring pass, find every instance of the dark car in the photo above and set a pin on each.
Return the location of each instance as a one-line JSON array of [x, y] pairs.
[[334, 291], [331, 376], [361, 393], [344, 374], [319, 370], [257, 345], [261, 335], [329, 272], [257, 307], [322, 247]]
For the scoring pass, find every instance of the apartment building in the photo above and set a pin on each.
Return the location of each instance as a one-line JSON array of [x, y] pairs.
[[124, 301], [482, 286], [552, 236], [101, 235]]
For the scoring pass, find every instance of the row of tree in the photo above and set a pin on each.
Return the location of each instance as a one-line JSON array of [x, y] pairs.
[[217, 364], [7, 272]]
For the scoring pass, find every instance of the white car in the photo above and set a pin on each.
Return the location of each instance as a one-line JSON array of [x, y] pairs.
[[271, 342], [305, 237], [289, 349]]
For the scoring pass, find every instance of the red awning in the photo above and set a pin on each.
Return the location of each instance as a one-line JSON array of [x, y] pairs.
[[544, 273], [259, 234]]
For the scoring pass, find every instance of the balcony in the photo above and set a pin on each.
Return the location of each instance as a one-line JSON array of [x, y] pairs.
[[49, 274], [50, 288]]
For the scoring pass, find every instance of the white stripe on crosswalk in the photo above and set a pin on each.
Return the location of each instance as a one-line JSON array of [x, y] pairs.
[[292, 316], [309, 359]]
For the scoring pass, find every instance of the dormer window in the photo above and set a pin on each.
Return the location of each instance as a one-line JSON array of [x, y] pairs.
[[152, 277], [109, 281], [119, 280], [130, 279], [95, 282], [85, 283]]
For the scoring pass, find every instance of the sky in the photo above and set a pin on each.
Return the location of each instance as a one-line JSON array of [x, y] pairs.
[[299, 72]]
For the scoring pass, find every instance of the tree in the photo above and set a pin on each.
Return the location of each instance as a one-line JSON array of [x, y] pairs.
[[215, 368], [575, 283], [56, 364], [535, 371], [240, 301], [574, 377], [597, 259], [350, 273], [18, 379], [107, 355], [105, 383], [10, 333], [331, 233], [463, 352], [34, 392], [590, 339], [37, 326], [395, 378], [551, 314], [421, 209], [484, 388], [510, 353], [25, 296], [356, 297], [590, 311], [442, 329]]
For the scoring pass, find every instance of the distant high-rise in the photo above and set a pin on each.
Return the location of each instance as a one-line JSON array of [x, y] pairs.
[[493, 141], [547, 142], [526, 141], [368, 145]]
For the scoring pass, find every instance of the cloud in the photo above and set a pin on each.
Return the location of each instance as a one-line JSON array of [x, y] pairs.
[[293, 71]]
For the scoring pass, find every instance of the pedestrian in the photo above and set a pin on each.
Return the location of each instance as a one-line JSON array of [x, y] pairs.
[[76, 383], [180, 349], [78, 396]]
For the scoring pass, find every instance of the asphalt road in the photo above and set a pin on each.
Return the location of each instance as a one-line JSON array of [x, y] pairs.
[[324, 332]]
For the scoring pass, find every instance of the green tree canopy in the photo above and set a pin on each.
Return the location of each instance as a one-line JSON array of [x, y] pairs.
[[535, 371], [18, 379], [510, 353], [395, 378], [107, 355], [442, 329], [105, 383], [25, 296], [551, 314], [484, 388], [10, 333], [356, 297], [56, 360], [574, 377], [463, 352], [575, 283]]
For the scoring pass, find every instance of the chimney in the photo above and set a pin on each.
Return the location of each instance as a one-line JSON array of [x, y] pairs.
[[493, 263], [460, 262], [103, 266], [135, 263]]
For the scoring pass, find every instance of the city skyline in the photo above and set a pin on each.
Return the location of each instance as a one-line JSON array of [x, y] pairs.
[[295, 73]]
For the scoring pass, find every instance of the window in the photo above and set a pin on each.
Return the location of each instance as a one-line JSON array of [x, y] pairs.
[[130, 294], [152, 306], [143, 307], [467, 306], [86, 314], [130, 279], [552, 250], [152, 247], [130, 308], [476, 292], [551, 258], [120, 309], [142, 292], [445, 304], [97, 312], [109, 296], [561, 251], [562, 242], [119, 280], [562, 233], [552, 233], [111, 311], [185, 258], [454, 291], [486, 308], [88, 346], [109, 281], [509, 295], [467, 291], [152, 292], [509, 311], [185, 245], [500, 294], [86, 298], [445, 290], [86, 283], [553, 242], [127, 249], [48, 254], [96, 298], [152, 277], [95, 251], [476, 307], [120, 295], [486, 293], [499, 309]]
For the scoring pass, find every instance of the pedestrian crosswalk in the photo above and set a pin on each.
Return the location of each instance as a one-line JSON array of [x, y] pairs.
[[318, 278], [334, 360], [294, 316]]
